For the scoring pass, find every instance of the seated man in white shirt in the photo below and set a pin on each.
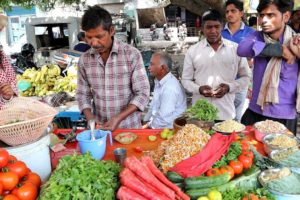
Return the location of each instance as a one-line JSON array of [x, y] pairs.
[[211, 67], [169, 99]]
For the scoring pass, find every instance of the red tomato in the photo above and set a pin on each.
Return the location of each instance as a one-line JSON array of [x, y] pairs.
[[9, 180], [237, 166], [1, 189], [3, 157], [10, 197], [248, 154], [138, 149], [250, 197], [246, 161], [33, 178], [27, 191], [213, 172], [12, 159], [227, 169], [245, 145], [19, 168]]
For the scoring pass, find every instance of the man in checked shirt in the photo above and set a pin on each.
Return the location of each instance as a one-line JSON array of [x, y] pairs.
[[113, 87]]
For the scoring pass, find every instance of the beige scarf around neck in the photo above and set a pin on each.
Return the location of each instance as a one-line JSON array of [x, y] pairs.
[[269, 86]]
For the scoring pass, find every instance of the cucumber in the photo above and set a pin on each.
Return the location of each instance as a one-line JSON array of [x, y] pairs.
[[206, 182], [180, 185], [195, 193], [174, 177]]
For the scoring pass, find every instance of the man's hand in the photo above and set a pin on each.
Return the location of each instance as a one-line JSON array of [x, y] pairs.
[[206, 91], [6, 90], [295, 45], [221, 90], [112, 124], [288, 55]]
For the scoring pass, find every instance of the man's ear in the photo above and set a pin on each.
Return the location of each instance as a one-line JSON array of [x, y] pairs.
[[286, 17], [112, 31]]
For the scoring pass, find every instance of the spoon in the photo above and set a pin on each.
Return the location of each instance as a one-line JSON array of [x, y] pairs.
[[92, 127]]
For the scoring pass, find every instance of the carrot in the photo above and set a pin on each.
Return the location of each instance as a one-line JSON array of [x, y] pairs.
[[125, 193], [160, 176], [129, 180], [142, 171], [156, 191]]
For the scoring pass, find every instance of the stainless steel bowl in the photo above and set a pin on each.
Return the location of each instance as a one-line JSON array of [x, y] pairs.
[[269, 147], [277, 194]]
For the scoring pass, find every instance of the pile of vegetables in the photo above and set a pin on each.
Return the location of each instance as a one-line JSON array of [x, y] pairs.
[[16, 179], [256, 194], [82, 177], [238, 158], [142, 180], [202, 110]]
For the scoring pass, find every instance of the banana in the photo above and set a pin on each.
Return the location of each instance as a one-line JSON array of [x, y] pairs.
[[38, 77]]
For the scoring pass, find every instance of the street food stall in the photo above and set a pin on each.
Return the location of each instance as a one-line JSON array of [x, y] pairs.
[[224, 161]]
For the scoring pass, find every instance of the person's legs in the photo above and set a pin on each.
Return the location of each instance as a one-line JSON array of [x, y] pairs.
[[239, 102], [250, 117]]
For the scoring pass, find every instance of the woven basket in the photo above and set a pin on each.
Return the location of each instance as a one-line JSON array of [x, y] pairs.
[[24, 120]]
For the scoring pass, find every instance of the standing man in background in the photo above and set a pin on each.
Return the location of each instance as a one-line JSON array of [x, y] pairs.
[[82, 46], [211, 67], [111, 74], [275, 71], [235, 30]]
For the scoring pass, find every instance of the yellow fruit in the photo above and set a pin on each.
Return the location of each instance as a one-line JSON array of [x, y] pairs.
[[203, 198], [152, 138], [164, 134], [214, 195]]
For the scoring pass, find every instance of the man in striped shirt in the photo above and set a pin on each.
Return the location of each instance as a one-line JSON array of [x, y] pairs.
[[111, 75]]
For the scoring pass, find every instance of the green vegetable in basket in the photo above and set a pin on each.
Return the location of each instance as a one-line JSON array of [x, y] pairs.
[[202, 110], [82, 177]]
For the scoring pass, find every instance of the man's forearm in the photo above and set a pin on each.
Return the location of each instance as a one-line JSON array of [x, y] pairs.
[[272, 50], [128, 111], [88, 114]]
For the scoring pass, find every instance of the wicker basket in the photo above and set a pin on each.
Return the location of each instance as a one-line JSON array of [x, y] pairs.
[[24, 120]]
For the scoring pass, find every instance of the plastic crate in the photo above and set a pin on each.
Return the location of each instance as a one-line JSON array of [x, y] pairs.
[[68, 119], [74, 116]]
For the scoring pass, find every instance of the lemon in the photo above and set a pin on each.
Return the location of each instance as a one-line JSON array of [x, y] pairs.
[[164, 134], [203, 198], [152, 138], [214, 195]]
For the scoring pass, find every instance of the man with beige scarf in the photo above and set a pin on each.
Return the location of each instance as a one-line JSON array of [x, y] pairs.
[[275, 72]]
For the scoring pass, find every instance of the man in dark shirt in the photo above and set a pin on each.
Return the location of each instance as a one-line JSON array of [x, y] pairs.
[[82, 46]]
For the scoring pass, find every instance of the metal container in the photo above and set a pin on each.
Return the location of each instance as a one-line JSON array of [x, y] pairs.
[[278, 195], [269, 147]]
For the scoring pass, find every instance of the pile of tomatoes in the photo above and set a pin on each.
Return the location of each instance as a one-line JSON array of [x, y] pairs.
[[244, 161], [17, 182]]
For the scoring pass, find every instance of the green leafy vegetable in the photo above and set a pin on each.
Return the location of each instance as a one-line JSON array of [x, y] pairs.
[[82, 177], [202, 110], [234, 151], [237, 194]]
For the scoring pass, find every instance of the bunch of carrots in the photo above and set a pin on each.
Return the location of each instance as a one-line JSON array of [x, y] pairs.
[[142, 180]]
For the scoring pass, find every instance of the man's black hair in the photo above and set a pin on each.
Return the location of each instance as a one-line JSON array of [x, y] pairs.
[[252, 21], [81, 36], [96, 16], [282, 5], [213, 15], [238, 4]]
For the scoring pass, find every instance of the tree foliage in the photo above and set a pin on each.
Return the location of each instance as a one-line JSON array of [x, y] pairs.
[[43, 4]]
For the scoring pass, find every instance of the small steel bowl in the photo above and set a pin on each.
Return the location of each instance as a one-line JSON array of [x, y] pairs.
[[269, 147]]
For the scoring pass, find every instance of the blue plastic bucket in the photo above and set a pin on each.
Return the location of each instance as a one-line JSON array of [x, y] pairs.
[[95, 147]]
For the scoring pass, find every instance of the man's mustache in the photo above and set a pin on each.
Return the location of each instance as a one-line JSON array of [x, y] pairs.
[[98, 47]]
